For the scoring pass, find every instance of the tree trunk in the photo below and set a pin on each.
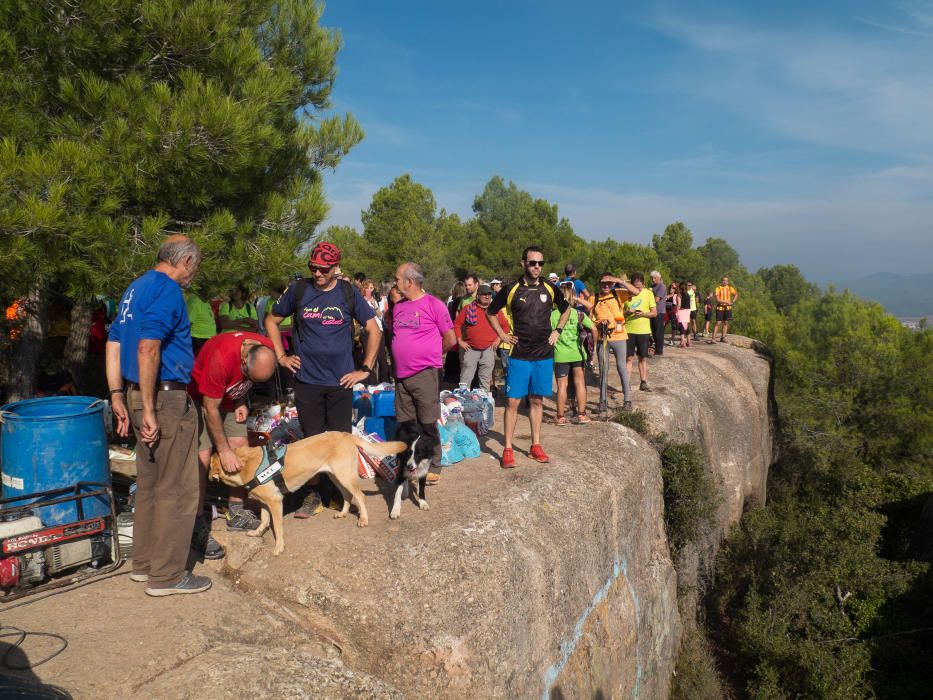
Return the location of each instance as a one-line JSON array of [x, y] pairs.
[[77, 344], [32, 338]]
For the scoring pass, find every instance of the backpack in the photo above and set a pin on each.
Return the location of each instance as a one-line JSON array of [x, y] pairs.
[[301, 286]]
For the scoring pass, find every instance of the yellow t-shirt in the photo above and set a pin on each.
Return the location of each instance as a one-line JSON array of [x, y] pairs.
[[725, 295], [644, 302], [611, 308]]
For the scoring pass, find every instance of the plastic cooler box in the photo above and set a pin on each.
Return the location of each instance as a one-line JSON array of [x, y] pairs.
[[384, 427], [384, 404]]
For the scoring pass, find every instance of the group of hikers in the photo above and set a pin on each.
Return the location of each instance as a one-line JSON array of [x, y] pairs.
[[186, 396]]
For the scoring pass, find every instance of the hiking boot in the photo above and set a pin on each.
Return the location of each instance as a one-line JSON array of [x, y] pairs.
[[243, 520], [627, 407], [508, 458], [139, 577], [204, 543], [644, 386], [188, 584], [312, 505], [538, 454]]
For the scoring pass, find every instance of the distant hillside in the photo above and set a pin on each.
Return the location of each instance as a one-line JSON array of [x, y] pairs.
[[901, 295]]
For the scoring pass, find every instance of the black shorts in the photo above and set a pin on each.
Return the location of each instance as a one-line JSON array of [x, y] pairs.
[[693, 315], [723, 314], [562, 369], [637, 342]]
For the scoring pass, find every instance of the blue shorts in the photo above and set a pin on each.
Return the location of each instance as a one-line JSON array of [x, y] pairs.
[[523, 377]]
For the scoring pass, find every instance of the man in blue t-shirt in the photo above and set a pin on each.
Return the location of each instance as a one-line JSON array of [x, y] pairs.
[[149, 363], [579, 288], [323, 340]]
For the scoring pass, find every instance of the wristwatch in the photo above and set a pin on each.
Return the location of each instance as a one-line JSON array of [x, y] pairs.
[[367, 369]]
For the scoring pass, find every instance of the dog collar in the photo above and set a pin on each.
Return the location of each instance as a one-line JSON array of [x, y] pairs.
[[270, 469]]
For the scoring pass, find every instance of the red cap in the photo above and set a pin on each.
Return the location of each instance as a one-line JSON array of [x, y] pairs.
[[324, 255]]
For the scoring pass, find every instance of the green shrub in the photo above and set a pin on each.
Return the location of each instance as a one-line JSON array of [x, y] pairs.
[[696, 676], [636, 420], [691, 498]]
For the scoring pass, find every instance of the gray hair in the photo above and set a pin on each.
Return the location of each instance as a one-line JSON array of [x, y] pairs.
[[654, 273], [176, 248], [414, 273]]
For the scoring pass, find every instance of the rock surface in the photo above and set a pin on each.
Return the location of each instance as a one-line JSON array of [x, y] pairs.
[[545, 581]]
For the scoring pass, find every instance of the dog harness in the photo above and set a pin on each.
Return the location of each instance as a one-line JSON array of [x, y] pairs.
[[270, 469]]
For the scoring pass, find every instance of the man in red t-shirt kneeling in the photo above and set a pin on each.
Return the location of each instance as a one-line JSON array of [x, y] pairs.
[[224, 373]]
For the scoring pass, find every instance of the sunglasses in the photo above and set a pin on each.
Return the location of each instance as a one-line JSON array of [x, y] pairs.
[[322, 270], [534, 263]]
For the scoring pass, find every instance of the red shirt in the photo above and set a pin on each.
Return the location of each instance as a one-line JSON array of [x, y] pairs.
[[480, 336], [218, 369]]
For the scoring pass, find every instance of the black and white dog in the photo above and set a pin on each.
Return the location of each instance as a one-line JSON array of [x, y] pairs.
[[413, 465]]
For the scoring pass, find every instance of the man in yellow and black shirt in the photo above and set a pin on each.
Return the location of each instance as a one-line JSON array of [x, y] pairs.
[[531, 365], [725, 298]]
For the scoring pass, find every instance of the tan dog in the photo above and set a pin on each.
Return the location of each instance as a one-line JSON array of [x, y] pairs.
[[330, 453]]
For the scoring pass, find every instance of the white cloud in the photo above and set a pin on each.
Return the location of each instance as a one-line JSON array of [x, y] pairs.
[[871, 94]]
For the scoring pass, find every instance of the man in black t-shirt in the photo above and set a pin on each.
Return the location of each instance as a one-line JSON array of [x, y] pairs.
[[528, 303]]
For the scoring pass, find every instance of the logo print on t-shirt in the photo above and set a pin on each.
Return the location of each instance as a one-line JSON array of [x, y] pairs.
[[543, 298], [238, 389], [406, 319], [328, 316]]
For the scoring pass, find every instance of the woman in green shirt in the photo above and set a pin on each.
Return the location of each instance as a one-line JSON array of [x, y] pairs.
[[568, 359], [203, 323], [237, 314]]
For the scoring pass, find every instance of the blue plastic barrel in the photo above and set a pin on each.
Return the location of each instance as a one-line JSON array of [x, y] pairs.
[[52, 443]]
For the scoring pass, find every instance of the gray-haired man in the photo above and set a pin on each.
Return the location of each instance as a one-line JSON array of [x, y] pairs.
[[149, 353]]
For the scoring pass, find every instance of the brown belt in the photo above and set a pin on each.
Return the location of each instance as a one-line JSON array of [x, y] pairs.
[[163, 386]]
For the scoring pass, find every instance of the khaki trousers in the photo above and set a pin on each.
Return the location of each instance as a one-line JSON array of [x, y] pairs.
[[166, 488]]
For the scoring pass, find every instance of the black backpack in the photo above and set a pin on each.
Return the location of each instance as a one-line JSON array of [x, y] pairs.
[[301, 286]]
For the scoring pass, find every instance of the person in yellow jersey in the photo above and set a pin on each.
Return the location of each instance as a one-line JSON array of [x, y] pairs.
[[639, 310], [726, 296]]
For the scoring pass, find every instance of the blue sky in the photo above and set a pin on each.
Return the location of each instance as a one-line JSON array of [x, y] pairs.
[[802, 132]]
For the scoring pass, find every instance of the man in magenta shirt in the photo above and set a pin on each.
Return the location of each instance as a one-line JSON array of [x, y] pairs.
[[422, 333]]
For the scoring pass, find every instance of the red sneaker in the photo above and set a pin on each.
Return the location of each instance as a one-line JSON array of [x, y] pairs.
[[538, 454], [508, 458]]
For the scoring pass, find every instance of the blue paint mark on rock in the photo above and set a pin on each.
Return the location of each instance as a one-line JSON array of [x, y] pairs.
[[568, 647]]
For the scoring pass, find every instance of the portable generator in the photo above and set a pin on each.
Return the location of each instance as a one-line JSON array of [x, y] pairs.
[[35, 556]]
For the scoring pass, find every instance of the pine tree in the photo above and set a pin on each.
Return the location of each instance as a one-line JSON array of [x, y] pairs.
[[124, 120]]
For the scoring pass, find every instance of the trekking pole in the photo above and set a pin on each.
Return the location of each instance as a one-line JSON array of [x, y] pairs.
[[604, 375]]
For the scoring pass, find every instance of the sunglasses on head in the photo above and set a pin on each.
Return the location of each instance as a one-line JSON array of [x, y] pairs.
[[534, 263]]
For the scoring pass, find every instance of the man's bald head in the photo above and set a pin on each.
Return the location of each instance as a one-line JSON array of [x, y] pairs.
[[260, 363]]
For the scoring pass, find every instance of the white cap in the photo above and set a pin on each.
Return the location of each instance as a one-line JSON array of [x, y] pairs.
[[553, 276], [491, 282]]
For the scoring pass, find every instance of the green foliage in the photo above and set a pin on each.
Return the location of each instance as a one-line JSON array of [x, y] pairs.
[[675, 249], [637, 420], [787, 285], [691, 495], [816, 587], [696, 676], [123, 120]]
